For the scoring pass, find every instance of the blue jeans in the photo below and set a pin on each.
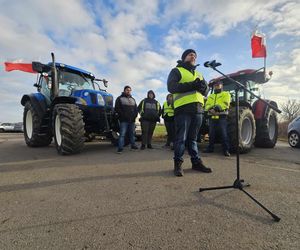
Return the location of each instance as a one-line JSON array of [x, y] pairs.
[[220, 123], [187, 127], [124, 127]]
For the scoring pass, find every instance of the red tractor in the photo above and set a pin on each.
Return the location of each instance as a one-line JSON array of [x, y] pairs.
[[258, 123]]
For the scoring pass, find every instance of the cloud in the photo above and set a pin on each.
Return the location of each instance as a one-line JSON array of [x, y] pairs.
[[285, 83]]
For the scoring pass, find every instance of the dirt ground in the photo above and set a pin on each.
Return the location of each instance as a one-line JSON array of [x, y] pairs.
[[101, 200]]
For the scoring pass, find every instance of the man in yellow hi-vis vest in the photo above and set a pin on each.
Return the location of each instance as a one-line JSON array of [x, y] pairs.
[[217, 106], [188, 87]]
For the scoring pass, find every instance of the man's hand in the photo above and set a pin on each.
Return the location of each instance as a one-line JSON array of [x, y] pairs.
[[217, 108], [201, 86], [212, 111]]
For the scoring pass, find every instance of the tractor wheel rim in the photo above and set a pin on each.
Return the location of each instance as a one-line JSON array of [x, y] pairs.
[[29, 126], [294, 139], [272, 127], [58, 130], [246, 131]]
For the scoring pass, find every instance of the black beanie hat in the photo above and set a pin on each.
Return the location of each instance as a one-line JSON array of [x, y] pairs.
[[186, 52], [126, 87]]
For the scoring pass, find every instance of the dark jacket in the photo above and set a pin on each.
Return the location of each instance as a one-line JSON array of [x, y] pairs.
[[125, 108], [175, 87], [149, 109]]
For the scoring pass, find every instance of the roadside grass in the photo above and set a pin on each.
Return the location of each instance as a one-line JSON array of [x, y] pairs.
[[160, 132]]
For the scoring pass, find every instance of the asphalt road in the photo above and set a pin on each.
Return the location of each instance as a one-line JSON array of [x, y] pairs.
[[101, 200]]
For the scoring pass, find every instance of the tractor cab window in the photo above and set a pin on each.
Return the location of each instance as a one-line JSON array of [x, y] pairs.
[[45, 83], [230, 87], [253, 87], [69, 81]]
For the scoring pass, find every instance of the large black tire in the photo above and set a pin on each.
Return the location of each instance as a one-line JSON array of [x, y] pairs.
[[246, 130], [267, 130], [68, 129], [32, 128]]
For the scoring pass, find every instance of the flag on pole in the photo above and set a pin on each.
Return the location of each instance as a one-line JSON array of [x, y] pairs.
[[26, 67], [258, 45]]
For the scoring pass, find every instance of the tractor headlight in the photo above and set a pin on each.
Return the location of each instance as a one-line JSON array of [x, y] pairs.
[[100, 99]]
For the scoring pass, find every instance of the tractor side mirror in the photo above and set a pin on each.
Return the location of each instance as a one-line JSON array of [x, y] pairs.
[[105, 82]]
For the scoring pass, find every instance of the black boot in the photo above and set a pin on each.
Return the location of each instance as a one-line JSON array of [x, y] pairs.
[[198, 166], [178, 171]]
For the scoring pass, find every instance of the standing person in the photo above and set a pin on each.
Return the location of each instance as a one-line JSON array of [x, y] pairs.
[[126, 110], [188, 87], [217, 106], [168, 116], [149, 110]]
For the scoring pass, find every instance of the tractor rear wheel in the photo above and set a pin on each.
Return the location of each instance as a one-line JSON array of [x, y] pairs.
[[267, 130], [246, 130], [32, 126], [68, 129]]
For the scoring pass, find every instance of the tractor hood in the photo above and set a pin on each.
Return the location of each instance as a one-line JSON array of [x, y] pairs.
[[93, 98]]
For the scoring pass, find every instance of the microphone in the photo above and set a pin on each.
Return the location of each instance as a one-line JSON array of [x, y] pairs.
[[212, 64]]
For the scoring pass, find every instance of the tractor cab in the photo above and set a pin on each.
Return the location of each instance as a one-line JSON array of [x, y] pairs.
[[71, 81], [250, 78]]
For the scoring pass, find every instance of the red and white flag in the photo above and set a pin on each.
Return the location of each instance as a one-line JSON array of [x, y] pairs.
[[258, 44], [26, 67]]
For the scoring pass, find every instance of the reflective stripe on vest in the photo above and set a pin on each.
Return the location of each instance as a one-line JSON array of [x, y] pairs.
[[181, 99], [149, 107], [168, 110]]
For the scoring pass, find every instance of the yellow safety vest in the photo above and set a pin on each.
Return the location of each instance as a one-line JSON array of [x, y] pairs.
[[168, 109], [181, 99], [222, 99]]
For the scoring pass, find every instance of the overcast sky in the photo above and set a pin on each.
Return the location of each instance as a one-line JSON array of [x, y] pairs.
[[139, 42]]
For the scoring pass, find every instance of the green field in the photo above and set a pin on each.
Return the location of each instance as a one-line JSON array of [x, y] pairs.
[[160, 131]]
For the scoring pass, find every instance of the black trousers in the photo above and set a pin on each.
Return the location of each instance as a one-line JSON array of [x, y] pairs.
[[147, 131], [170, 127]]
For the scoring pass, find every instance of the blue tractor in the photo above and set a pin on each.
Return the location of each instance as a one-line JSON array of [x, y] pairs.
[[68, 107]]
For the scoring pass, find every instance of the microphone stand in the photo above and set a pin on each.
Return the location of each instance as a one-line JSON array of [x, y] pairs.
[[239, 183]]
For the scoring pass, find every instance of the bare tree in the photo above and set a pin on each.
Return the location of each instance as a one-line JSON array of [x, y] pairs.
[[290, 109]]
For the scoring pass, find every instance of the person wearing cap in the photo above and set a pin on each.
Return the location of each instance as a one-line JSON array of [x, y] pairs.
[[217, 106], [150, 112], [168, 116], [188, 88], [126, 111]]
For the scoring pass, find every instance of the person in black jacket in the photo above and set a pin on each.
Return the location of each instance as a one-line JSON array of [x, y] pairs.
[[188, 88], [150, 111], [126, 111]]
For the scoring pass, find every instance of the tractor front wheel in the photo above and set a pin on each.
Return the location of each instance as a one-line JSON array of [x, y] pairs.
[[68, 129], [32, 126], [246, 130]]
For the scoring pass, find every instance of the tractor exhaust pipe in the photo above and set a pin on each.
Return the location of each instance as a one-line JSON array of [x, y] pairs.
[[54, 78]]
